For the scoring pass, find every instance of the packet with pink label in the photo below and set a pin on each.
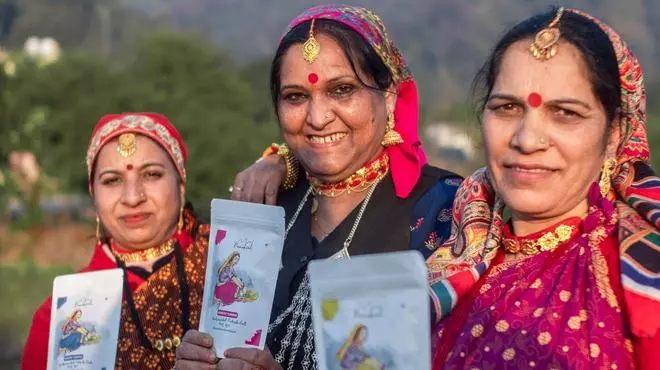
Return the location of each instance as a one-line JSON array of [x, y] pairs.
[[245, 249]]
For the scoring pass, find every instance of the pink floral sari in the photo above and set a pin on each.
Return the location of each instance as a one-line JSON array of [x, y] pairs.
[[557, 309]]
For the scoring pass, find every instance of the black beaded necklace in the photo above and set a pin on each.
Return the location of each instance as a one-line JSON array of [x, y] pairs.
[[183, 296]]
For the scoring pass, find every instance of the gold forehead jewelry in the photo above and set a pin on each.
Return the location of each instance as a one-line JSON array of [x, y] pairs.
[[127, 145], [544, 45], [311, 47]]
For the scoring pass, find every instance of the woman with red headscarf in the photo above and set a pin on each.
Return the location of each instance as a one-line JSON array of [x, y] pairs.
[[572, 279], [348, 112], [136, 167]]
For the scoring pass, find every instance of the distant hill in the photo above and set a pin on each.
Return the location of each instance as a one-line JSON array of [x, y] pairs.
[[444, 40]]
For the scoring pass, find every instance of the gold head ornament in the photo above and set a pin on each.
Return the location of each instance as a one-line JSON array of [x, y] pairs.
[[127, 145], [544, 45], [311, 47]]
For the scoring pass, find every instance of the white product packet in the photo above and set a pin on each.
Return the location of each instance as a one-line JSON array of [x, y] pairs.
[[371, 312], [245, 250], [84, 320]]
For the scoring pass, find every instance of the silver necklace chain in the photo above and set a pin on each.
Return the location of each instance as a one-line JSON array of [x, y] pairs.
[[300, 308]]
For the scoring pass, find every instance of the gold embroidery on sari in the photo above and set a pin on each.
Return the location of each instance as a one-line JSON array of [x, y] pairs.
[[502, 326], [496, 270], [544, 338], [574, 322], [600, 269], [477, 330]]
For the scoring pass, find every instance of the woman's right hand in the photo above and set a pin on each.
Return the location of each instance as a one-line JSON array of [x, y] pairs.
[[196, 352], [260, 182]]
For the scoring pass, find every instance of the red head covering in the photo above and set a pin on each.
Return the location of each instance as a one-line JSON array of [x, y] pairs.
[[407, 159], [152, 125]]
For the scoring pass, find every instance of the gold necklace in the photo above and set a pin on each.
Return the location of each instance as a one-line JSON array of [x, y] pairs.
[[144, 255], [363, 179], [547, 242]]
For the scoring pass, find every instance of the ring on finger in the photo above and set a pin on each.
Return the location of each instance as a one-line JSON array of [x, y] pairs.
[[236, 188]]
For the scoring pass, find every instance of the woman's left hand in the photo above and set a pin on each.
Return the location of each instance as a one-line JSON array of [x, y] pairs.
[[248, 359]]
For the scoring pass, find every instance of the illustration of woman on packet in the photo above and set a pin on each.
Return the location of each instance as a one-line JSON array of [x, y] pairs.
[[352, 355], [230, 288], [74, 334]]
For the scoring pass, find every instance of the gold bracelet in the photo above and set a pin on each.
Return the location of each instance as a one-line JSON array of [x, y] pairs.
[[292, 167], [292, 170]]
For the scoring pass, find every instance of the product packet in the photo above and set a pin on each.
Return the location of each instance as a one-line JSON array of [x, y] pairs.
[[245, 250], [84, 320], [371, 312]]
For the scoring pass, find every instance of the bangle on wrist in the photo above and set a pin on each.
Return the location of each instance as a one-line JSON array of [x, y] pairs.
[[292, 169]]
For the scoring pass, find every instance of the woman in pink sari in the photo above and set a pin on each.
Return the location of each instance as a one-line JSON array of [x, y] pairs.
[[230, 288], [572, 279], [228, 285]]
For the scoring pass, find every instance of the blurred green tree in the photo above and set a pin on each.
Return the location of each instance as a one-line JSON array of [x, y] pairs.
[[217, 111], [51, 110]]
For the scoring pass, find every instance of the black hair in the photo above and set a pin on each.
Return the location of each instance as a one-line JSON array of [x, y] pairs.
[[357, 50], [594, 45]]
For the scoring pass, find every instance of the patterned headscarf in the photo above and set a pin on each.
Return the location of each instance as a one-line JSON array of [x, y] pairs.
[[477, 224], [407, 159], [152, 125]]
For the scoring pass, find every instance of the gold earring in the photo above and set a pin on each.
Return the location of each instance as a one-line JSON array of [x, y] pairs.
[[98, 229], [391, 137], [605, 182], [180, 223]]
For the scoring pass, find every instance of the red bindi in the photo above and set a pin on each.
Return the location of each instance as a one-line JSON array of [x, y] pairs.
[[129, 167], [534, 100], [313, 78]]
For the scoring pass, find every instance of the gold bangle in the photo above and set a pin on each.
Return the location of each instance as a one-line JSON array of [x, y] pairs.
[[292, 170]]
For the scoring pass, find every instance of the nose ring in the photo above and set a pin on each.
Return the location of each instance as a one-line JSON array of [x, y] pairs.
[[542, 141], [328, 115]]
